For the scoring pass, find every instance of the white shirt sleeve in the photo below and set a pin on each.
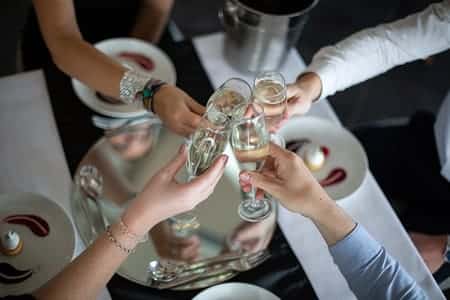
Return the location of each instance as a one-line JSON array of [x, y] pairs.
[[373, 51]]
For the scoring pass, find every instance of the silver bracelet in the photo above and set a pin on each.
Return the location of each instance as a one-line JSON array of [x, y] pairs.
[[116, 243], [131, 83]]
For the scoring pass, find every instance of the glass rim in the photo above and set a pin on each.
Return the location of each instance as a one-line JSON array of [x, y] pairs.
[[260, 114], [283, 81]]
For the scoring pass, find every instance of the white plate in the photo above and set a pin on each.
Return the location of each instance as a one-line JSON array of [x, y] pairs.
[[164, 70], [235, 291], [345, 151], [46, 256]]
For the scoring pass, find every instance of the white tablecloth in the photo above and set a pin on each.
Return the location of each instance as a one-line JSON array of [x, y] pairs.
[[31, 154], [368, 205]]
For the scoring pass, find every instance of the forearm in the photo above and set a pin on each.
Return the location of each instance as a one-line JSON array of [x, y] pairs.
[[331, 221], [79, 59], [87, 274], [152, 19], [376, 50]]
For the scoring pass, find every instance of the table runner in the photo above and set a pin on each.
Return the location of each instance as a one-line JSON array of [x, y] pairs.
[[32, 158], [368, 205]]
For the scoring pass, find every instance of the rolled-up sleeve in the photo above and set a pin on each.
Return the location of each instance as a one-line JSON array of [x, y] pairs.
[[370, 271]]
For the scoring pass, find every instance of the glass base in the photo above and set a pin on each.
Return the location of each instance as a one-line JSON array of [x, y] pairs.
[[254, 210]]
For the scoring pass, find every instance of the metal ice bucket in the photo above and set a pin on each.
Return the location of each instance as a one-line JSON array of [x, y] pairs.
[[258, 39]]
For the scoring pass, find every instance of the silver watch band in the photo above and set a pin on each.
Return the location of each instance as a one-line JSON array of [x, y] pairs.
[[131, 83]]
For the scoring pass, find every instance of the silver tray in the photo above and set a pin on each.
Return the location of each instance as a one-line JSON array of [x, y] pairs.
[[125, 172]]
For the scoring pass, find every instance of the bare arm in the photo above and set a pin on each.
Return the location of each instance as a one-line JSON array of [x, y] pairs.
[[71, 53], [77, 58], [152, 19], [161, 198]]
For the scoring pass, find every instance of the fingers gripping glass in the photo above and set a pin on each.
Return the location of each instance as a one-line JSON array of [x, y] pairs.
[[205, 145], [250, 142]]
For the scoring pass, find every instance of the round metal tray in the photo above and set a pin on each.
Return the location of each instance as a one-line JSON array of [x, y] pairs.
[[126, 165]]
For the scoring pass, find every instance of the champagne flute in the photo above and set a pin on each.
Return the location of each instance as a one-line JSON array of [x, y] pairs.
[[232, 94], [269, 90], [205, 145], [250, 143]]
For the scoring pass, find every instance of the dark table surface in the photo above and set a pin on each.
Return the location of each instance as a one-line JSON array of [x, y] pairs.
[[282, 274]]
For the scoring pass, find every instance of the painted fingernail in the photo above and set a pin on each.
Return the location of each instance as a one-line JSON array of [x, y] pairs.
[[225, 159], [182, 147]]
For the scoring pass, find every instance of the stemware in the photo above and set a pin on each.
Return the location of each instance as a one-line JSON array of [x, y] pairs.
[[269, 90], [250, 142], [231, 95], [205, 145]]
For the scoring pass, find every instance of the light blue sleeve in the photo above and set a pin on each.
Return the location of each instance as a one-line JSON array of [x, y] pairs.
[[370, 271]]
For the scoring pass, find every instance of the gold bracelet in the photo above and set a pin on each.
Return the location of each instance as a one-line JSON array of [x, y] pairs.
[[126, 231], [113, 239]]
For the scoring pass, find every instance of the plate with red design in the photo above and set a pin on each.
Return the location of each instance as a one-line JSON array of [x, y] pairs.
[[45, 245], [345, 163], [134, 54]]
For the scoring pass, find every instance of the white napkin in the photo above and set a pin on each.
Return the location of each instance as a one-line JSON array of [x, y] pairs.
[[32, 158], [368, 205]]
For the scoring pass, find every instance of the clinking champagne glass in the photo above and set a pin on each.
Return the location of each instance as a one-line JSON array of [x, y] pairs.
[[269, 90], [230, 95], [250, 143], [205, 145]]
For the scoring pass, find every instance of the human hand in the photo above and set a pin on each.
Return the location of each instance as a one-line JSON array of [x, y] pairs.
[[164, 197], [253, 236], [177, 110], [286, 177], [302, 93]]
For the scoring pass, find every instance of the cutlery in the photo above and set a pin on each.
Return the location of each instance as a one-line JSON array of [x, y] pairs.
[[167, 270], [244, 263]]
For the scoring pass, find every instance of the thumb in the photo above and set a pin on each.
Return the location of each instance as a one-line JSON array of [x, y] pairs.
[[175, 165], [269, 184], [292, 91]]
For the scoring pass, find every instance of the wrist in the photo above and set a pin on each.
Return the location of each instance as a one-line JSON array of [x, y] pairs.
[[138, 222], [310, 82], [158, 99]]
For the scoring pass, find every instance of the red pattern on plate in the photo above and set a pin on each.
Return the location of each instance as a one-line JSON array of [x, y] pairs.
[[36, 224], [143, 61], [335, 176]]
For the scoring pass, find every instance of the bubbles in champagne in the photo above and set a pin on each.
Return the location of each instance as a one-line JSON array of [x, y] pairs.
[[206, 146], [272, 96]]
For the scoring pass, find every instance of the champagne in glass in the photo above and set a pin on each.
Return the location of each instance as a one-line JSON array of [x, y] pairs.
[[250, 142], [231, 95], [270, 91], [206, 144]]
